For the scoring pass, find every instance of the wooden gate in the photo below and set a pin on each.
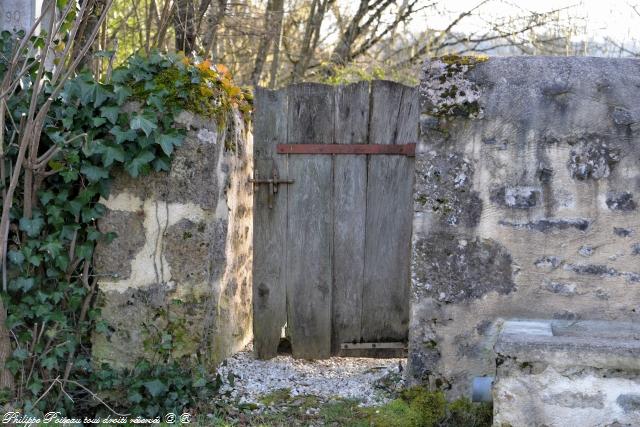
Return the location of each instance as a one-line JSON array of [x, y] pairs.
[[332, 216]]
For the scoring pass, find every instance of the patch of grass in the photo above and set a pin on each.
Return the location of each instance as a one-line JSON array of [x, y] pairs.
[[416, 407], [398, 413], [344, 413], [278, 396]]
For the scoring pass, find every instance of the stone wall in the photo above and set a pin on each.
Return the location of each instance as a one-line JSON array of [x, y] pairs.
[[527, 184], [178, 276]]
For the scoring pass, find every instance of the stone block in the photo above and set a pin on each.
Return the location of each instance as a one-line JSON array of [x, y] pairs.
[[559, 373]]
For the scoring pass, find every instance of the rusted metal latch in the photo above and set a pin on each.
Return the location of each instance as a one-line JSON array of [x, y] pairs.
[[273, 182], [397, 149]]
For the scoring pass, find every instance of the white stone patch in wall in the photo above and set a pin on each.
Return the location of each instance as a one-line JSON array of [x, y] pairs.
[[123, 202], [149, 265], [207, 136]]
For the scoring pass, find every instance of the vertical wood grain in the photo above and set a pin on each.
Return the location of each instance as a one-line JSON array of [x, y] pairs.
[[349, 204], [394, 120], [269, 225], [310, 222]]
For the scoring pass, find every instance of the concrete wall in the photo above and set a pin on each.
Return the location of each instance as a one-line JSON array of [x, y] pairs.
[[527, 184], [180, 268]]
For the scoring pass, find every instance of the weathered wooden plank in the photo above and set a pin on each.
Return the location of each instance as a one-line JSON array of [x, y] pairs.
[[269, 225], [310, 222], [394, 120], [349, 205]]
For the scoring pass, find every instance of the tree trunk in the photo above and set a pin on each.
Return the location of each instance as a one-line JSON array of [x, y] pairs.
[[273, 16], [211, 42], [311, 37], [275, 63], [88, 27], [6, 377], [185, 24]]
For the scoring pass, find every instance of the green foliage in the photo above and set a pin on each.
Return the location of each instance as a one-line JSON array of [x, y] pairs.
[[154, 390], [180, 83], [338, 75], [93, 128], [277, 396], [418, 407]]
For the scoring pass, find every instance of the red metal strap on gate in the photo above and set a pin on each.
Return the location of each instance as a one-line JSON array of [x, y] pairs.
[[400, 149]]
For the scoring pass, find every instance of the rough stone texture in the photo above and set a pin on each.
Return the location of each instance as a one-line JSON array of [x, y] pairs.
[[559, 373], [181, 264], [536, 169]]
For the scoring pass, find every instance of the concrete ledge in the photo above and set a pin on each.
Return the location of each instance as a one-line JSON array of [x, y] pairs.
[[562, 343]]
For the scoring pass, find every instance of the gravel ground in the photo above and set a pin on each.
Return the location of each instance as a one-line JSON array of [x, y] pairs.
[[371, 381]]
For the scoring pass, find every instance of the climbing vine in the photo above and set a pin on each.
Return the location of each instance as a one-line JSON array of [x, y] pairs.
[[92, 129]]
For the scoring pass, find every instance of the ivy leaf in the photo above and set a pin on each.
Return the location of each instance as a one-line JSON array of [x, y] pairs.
[[31, 226], [20, 354], [134, 397], [87, 90], [155, 387], [160, 164], [122, 94], [68, 231], [74, 206], [53, 248], [120, 75], [102, 327], [110, 113], [23, 284], [101, 95], [94, 173], [140, 122], [169, 140], [122, 135], [93, 234], [45, 197], [84, 251], [49, 362], [16, 257], [99, 121], [62, 261], [142, 160], [34, 260], [35, 387], [69, 175], [111, 153]]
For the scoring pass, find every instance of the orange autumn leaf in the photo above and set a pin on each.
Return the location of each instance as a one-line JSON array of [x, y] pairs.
[[204, 65], [222, 69]]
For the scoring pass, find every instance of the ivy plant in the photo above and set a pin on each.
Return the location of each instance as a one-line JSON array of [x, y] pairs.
[[93, 129]]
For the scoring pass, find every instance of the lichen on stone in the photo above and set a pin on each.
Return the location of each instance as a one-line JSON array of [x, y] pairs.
[[456, 270], [444, 187], [445, 89], [592, 159]]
